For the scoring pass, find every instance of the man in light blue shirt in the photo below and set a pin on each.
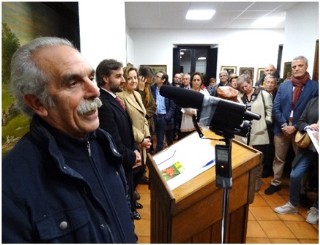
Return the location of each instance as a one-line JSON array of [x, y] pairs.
[[164, 116]]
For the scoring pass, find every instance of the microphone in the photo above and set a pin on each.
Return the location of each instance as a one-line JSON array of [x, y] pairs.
[[182, 97], [222, 116]]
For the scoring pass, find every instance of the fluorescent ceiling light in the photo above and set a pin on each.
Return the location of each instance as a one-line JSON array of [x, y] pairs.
[[202, 58], [200, 14], [264, 22]]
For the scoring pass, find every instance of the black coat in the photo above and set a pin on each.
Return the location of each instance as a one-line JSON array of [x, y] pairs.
[[45, 200], [116, 121], [309, 116]]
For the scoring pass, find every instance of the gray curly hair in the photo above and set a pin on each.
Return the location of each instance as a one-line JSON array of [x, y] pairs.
[[27, 77]]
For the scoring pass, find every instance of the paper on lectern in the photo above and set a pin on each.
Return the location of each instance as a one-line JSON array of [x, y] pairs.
[[184, 160]]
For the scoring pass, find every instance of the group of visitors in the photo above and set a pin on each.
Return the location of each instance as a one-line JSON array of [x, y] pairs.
[[285, 107], [73, 177]]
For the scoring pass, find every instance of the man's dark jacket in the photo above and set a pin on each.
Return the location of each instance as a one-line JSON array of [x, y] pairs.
[[116, 121], [44, 200]]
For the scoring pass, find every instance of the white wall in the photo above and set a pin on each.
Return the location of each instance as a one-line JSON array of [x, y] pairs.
[[301, 33], [102, 30], [130, 48], [104, 35], [241, 48]]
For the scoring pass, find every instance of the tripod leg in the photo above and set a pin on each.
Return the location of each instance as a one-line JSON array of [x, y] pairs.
[[224, 224]]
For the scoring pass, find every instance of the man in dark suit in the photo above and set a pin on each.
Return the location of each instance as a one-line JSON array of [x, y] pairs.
[[116, 121]]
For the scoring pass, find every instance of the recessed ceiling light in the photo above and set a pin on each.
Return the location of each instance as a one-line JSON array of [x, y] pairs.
[[264, 22], [200, 14]]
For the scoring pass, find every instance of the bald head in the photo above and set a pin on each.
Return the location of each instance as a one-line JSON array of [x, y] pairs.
[[269, 70]]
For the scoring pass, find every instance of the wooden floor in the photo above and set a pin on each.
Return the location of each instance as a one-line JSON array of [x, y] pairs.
[[264, 225]]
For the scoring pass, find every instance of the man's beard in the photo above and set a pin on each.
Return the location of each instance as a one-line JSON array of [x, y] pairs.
[[89, 105], [117, 89]]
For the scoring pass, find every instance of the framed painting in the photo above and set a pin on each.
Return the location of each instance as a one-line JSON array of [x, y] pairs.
[[229, 69], [315, 74], [247, 70], [287, 70], [157, 68], [260, 73]]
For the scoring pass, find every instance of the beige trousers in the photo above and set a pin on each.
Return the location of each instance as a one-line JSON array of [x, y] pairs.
[[281, 145]]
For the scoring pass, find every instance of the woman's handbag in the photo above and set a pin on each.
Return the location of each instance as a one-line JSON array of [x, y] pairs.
[[228, 93], [302, 139]]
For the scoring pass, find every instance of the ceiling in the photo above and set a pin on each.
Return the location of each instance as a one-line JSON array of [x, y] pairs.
[[229, 15]]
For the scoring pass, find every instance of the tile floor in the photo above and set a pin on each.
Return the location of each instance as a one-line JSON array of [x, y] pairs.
[[264, 225]]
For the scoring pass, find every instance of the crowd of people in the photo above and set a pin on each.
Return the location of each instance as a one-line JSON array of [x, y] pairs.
[[88, 141]]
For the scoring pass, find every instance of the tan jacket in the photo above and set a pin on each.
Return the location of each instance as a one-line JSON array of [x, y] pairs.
[[137, 113], [150, 107]]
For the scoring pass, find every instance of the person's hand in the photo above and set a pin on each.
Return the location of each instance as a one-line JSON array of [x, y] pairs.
[[141, 83], [138, 157], [289, 130], [314, 126], [137, 164], [146, 143]]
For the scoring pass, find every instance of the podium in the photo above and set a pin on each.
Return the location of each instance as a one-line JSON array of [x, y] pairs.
[[191, 212]]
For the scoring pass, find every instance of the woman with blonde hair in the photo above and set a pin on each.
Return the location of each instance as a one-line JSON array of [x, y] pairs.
[[137, 112]]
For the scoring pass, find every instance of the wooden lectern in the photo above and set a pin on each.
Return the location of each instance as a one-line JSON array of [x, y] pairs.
[[192, 212]]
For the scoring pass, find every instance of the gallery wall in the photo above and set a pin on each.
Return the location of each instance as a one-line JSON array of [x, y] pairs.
[[301, 32], [104, 34], [102, 30], [240, 48]]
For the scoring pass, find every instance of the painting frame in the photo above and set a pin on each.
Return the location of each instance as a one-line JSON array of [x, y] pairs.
[[286, 69], [157, 68], [260, 72], [229, 69], [247, 70], [315, 74]]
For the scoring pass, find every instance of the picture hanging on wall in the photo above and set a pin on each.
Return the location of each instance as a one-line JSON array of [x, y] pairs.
[[247, 70], [287, 70], [157, 68], [229, 69], [260, 73]]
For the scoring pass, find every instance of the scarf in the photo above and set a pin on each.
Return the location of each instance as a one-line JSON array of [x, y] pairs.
[[298, 83]]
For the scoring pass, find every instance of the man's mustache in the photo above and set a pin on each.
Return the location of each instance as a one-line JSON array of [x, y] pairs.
[[89, 105]]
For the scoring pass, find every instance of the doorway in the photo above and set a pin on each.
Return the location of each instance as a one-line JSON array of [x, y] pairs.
[[195, 58]]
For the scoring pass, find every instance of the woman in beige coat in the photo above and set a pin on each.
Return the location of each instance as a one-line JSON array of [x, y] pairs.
[[260, 102], [137, 112]]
